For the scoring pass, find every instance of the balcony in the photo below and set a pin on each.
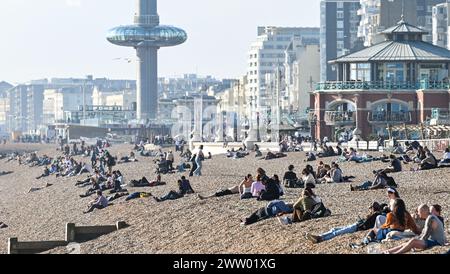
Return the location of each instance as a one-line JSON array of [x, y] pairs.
[[389, 117], [339, 118], [379, 85]]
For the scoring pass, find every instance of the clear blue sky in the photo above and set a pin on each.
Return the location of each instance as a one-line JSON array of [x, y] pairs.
[[66, 38]]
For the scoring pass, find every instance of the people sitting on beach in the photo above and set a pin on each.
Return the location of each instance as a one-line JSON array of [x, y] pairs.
[[412, 146], [432, 235], [429, 162], [310, 157], [209, 156], [395, 165], [420, 155], [128, 159], [307, 178], [445, 162], [184, 187], [272, 209], [397, 220], [352, 156], [338, 150], [100, 202], [271, 190], [290, 178], [258, 152], [245, 187], [382, 180], [309, 206], [257, 186], [436, 210], [361, 225]]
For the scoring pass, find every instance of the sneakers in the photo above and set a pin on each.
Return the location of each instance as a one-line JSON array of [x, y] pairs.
[[313, 238], [285, 220]]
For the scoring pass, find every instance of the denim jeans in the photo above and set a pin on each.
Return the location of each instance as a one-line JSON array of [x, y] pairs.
[[198, 171], [339, 231]]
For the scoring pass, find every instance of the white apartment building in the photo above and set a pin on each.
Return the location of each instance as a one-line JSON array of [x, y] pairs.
[[441, 25], [267, 53], [59, 101], [302, 72]]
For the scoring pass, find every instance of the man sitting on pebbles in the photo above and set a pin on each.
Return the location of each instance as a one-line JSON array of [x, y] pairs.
[[100, 202]]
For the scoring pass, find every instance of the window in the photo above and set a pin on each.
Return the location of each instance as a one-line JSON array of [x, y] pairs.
[[340, 24], [340, 15], [340, 5], [340, 34], [360, 72], [340, 45], [395, 72]]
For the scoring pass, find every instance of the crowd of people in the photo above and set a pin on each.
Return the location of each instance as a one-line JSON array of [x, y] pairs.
[[386, 220]]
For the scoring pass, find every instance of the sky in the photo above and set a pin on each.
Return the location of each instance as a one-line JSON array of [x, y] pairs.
[[66, 38]]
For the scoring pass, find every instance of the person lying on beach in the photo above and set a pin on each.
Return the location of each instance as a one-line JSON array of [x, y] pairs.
[[45, 173], [34, 189], [397, 220], [137, 195], [382, 180], [363, 224], [3, 225], [432, 235], [244, 189], [99, 203], [270, 155], [5, 173], [184, 187], [116, 196], [272, 209]]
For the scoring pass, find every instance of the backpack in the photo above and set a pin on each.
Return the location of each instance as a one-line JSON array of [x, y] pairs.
[[318, 211]]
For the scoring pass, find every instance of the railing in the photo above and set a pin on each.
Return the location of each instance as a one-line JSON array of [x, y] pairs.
[[390, 117], [380, 85], [339, 118]]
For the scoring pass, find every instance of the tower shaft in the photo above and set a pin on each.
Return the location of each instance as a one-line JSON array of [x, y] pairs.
[[147, 13], [147, 82]]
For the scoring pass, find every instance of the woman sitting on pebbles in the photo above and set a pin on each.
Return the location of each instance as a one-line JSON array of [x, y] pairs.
[[257, 186], [397, 220]]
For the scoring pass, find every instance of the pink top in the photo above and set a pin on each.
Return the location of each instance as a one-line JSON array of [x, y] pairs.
[[256, 188]]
